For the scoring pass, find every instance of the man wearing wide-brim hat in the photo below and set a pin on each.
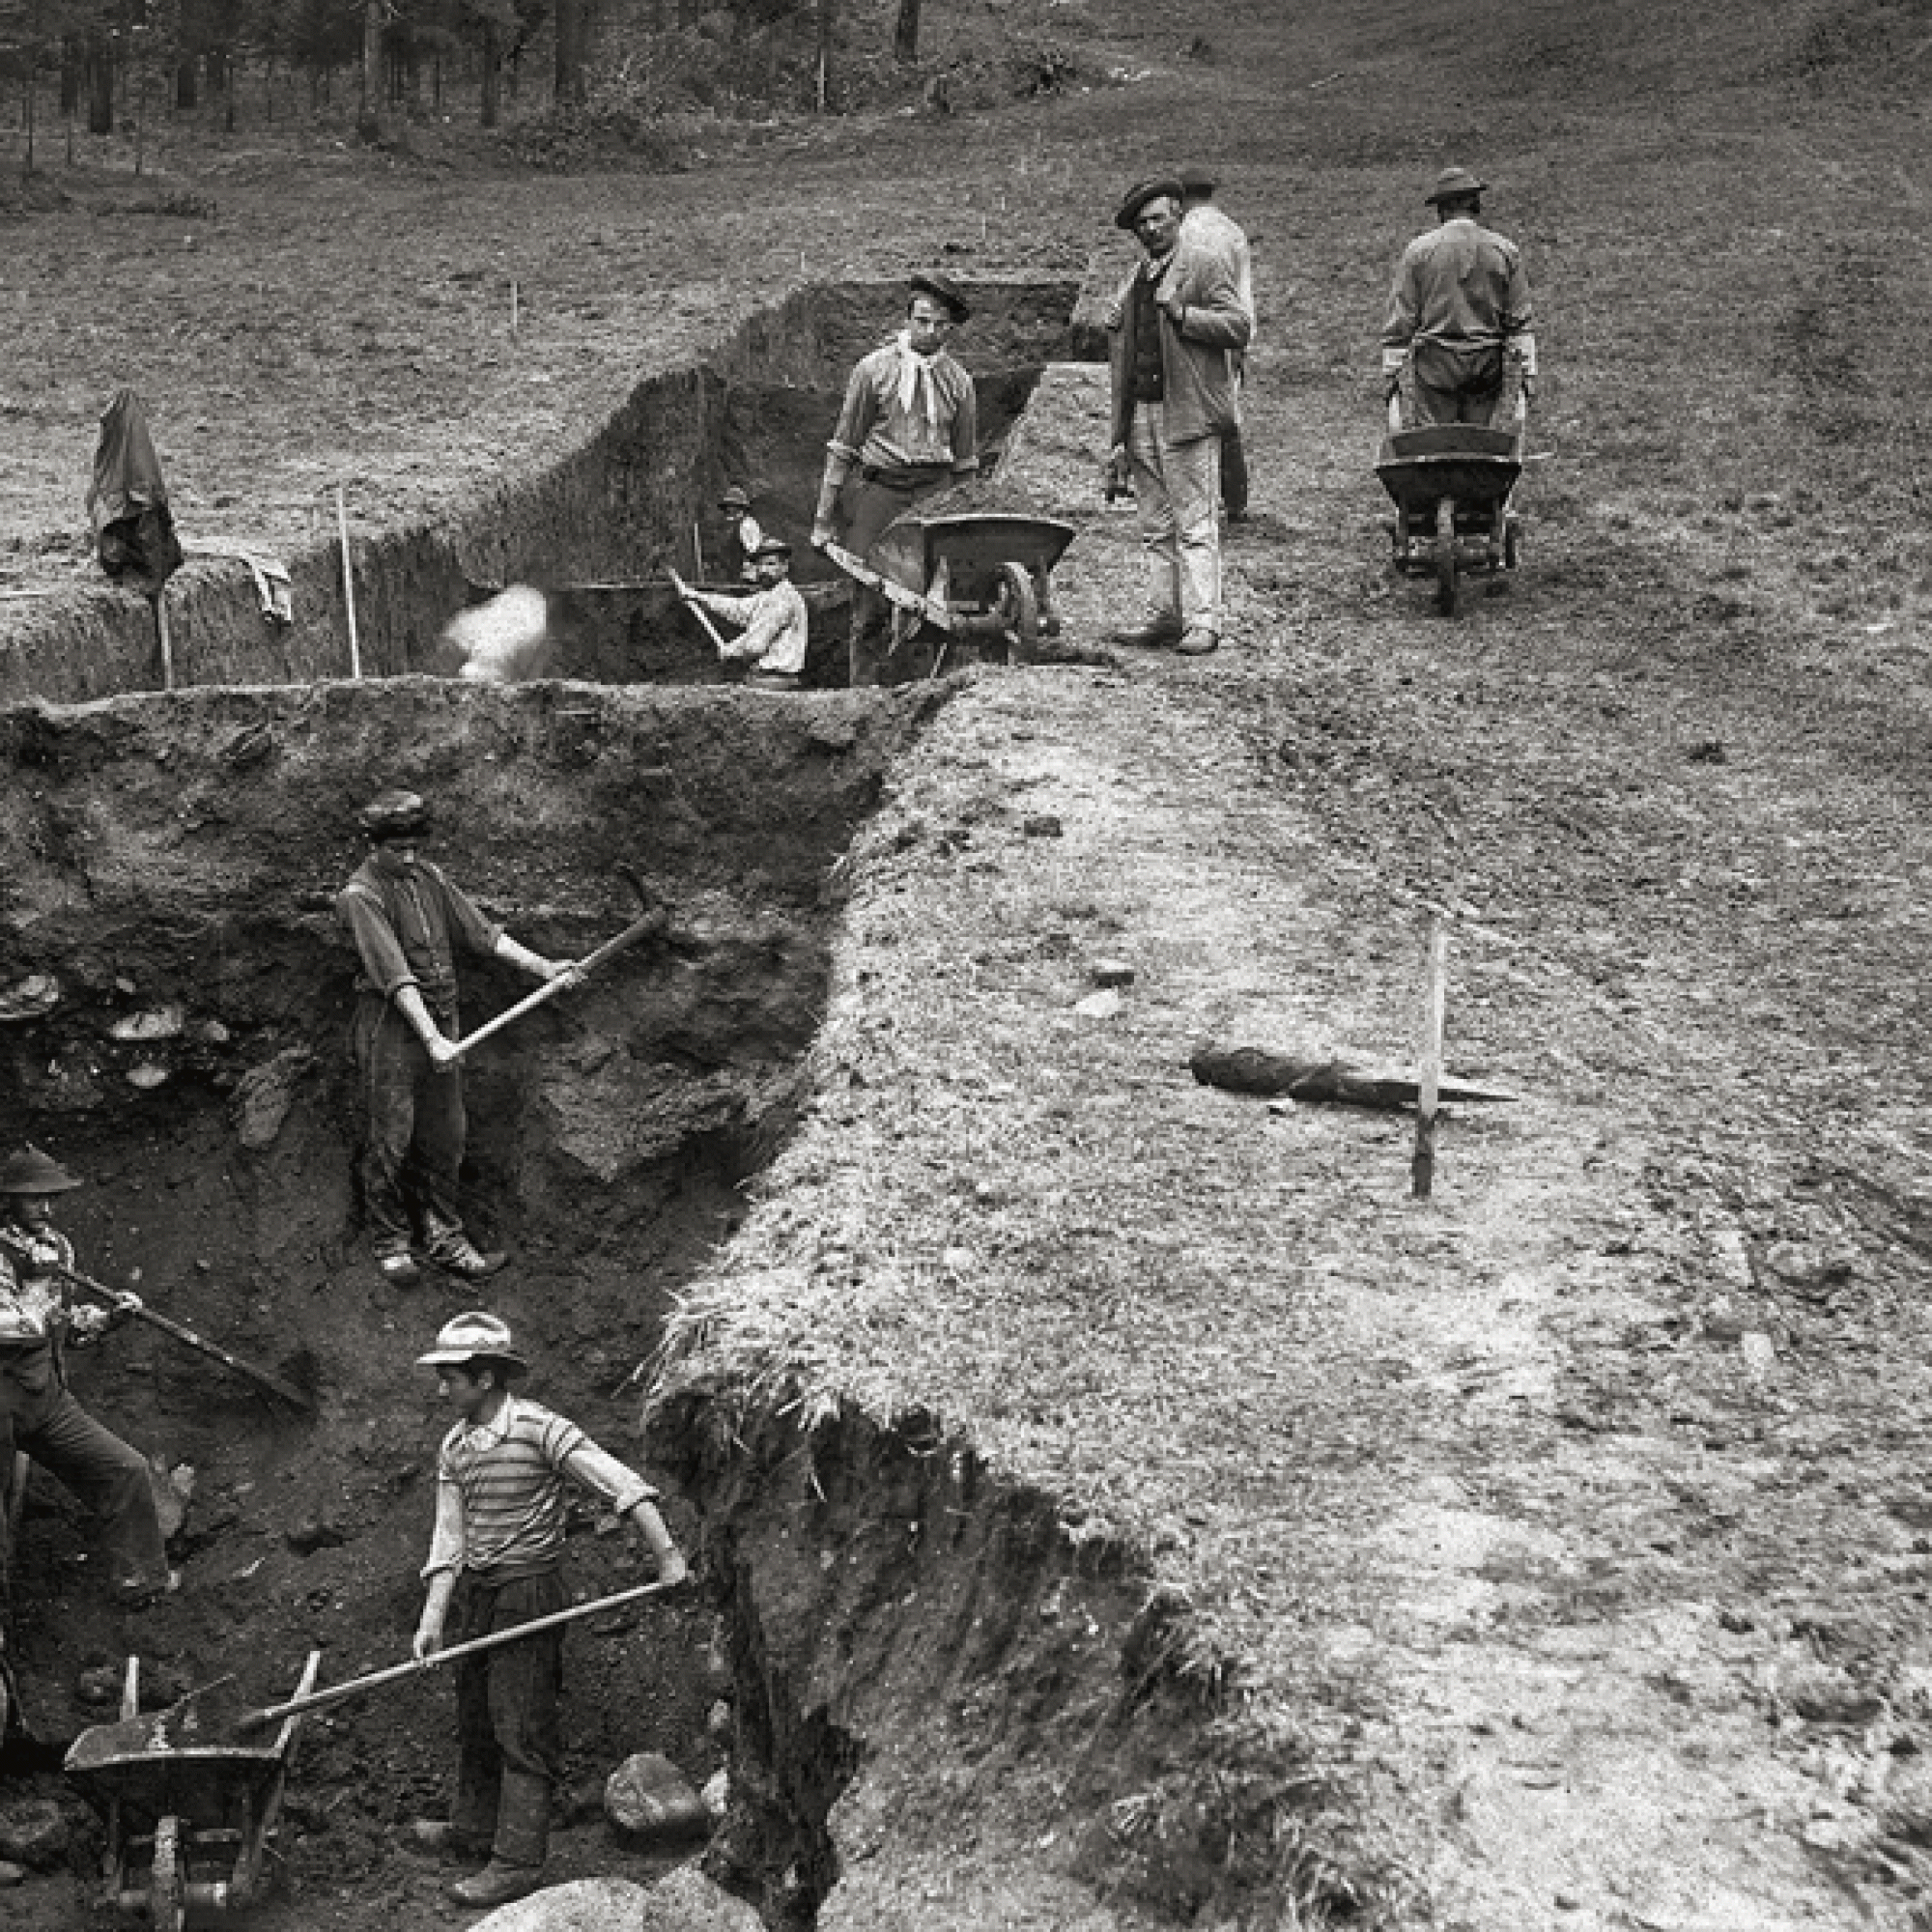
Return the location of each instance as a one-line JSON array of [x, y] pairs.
[[39, 1415], [776, 622], [1183, 323], [1459, 343], [495, 1562], [909, 428]]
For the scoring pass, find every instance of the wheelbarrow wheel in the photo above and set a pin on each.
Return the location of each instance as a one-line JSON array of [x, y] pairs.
[[167, 1904], [1019, 609], [1445, 556]]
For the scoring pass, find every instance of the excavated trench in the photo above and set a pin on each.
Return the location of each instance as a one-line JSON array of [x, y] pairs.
[[173, 1003], [599, 531]]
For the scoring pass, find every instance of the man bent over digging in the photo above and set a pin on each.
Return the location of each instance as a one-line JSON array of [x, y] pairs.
[[404, 914]]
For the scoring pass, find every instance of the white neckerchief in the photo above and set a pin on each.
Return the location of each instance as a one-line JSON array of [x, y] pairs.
[[915, 377]]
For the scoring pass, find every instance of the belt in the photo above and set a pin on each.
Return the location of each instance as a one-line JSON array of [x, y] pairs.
[[906, 480]]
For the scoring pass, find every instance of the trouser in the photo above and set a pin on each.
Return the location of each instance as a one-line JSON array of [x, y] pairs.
[[1176, 487], [509, 1750], [40, 1416], [415, 1124], [1233, 472], [1480, 387], [870, 504]]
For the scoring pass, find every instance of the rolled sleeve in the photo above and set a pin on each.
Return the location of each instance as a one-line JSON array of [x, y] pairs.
[[376, 940], [858, 415], [446, 1541], [619, 1487]]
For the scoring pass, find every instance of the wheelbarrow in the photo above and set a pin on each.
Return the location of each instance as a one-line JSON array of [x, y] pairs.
[[191, 1811], [973, 585], [1451, 486]]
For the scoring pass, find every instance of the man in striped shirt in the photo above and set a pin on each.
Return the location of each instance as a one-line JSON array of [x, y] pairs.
[[495, 1561]]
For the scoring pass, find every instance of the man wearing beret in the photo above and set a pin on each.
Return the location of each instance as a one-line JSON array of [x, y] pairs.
[[1459, 344], [909, 428], [1183, 324], [1203, 225]]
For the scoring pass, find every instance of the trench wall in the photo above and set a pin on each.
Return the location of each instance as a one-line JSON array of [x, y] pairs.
[[618, 510]]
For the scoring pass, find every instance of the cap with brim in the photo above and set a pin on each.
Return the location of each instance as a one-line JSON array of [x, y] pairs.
[[942, 289], [734, 499], [1451, 183], [1198, 178], [31, 1172], [1141, 193], [464, 1337]]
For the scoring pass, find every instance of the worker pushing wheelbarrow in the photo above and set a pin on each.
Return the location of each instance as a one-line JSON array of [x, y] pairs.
[[961, 589], [1459, 365]]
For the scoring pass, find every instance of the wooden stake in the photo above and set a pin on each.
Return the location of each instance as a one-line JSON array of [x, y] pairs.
[[516, 314], [348, 585], [697, 549], [1422, 1169], [166, 638]]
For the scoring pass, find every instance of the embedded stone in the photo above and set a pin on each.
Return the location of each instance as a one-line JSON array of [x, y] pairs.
[[1105, 1006], [1111, 973], [166, 1022], [34, 1832], [648, 1797]]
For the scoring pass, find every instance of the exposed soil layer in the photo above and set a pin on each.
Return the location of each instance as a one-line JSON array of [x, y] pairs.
[[604, 525], [171, 864]]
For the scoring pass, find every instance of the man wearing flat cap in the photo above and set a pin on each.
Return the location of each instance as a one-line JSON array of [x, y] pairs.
[[774, 621], [405, 920], [1459, 345], [39, 1415], [910, 426], [1183, 323], [1203, 225]]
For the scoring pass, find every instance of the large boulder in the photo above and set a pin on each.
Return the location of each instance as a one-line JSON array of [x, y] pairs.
[[585, 1905], [683, 1901]]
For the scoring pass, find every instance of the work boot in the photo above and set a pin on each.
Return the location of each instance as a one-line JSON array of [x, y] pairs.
[[522, 1842], [497, 1884], [1198, 642], [448, 1840], [450, 1249], [1157, 634]]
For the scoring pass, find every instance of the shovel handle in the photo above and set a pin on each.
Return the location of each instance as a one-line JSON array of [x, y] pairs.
[[340, 1693], [550, 989]]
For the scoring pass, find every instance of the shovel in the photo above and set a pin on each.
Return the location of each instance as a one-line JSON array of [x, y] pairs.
[[339, 1694], [651, 921]]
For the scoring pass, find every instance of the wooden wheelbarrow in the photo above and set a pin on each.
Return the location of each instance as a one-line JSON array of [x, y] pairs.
[[191, 1811], [1451, 486], [978, 586]]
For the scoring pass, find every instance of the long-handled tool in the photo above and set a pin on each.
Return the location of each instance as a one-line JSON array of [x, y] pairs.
[[651, 921], [697, 609], [154, 1319], [339, 1694]]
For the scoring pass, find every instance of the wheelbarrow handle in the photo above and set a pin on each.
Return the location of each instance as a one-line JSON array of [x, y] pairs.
[[354, 1686]]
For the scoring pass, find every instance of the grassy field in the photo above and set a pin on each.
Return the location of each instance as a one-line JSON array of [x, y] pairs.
[[1567, 1531]]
